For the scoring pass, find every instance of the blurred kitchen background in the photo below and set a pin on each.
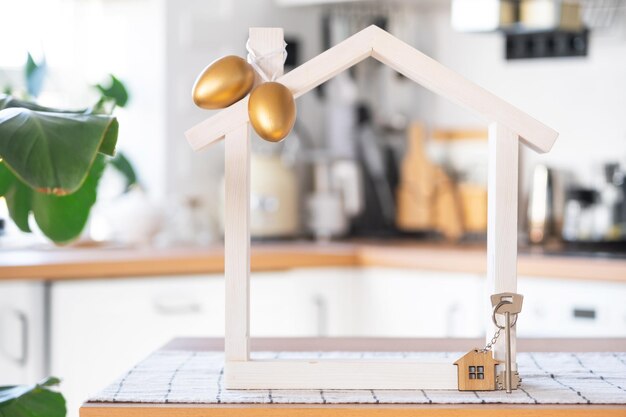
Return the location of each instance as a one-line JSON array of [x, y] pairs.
[[373, 159]]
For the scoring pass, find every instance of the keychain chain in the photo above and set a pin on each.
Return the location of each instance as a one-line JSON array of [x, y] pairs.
[[494, 339], [492, 342]]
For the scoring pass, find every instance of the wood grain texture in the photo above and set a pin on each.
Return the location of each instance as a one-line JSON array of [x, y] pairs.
[[416, 191], [354, 410], [264, 42], [145, 262], [476, 371], [337, 374], [501, 226], [237, 243], [395, 344]]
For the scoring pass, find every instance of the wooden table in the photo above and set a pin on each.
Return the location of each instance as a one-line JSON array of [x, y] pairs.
[[366, 410]]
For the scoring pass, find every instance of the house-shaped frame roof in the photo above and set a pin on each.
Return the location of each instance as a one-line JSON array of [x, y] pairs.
[[379, 44]]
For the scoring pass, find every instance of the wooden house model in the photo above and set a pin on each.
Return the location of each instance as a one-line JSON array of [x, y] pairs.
[[476, 371], [507, 126]]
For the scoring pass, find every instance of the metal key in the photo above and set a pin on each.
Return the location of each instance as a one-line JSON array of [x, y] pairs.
[[508, 304]]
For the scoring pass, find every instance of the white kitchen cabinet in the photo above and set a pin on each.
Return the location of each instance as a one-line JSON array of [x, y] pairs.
[[302, 302], [381, 302], [398, 302], [572, 308], [100, 328], [22, 332]]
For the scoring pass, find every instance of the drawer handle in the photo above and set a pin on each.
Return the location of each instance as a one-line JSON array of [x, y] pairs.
[[22, 359], [177, 307], [581, 313]]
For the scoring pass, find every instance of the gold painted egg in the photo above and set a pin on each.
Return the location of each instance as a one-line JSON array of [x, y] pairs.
[[223, 82], [272, 111]]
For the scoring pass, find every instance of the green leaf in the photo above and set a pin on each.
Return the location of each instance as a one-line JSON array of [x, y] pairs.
[[52, 152], [7, 101], [109, 141], [35, 74], [19, 199], [124, 167], [6, 179], [32, 401], [116, 90], [50, 381], [62, 218]]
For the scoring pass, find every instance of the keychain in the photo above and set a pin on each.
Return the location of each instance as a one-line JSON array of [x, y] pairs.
[[476, 369]]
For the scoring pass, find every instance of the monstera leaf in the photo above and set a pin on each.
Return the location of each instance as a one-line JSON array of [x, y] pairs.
[[32, 400], [51, 162], [60, 217], [53, 151]]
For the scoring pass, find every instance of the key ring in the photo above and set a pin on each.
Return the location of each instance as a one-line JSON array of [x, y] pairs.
[[495, 311]]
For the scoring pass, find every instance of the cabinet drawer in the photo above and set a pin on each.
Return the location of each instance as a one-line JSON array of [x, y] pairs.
[[570, 308], [22, 323], [414, 303]]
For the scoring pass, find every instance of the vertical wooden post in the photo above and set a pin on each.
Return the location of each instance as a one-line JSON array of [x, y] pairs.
[[502, 223], [237, 243], [266, 41], [263, 41]]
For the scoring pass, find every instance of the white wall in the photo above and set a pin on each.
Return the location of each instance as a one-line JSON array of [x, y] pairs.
[[582, 98]]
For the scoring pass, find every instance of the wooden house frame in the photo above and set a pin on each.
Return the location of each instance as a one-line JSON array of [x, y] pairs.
[[507, 125]]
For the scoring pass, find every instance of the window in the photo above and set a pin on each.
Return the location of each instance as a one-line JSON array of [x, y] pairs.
[[476, 372]]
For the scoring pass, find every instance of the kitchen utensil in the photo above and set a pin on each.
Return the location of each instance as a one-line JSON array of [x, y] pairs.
[[417, 187], [273, 198], [578, 216], [448, 220], [326, 214], [375, 167], [540, 205], [473, 199]]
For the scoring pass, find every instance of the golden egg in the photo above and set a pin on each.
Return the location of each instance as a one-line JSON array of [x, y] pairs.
[[223, 82], [272, 111]]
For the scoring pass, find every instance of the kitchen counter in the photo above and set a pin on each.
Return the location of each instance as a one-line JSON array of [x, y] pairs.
[[94, 263]]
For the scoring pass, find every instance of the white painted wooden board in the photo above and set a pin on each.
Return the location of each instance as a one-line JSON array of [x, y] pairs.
[[331, 374], [237, 243], [502, 224], [329, 63], [266, 41], [263, 41]]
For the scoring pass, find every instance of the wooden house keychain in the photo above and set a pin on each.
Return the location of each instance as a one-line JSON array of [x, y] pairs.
[[477, 368]]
